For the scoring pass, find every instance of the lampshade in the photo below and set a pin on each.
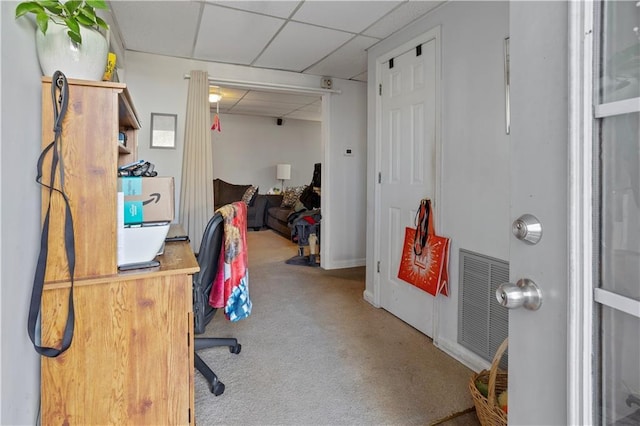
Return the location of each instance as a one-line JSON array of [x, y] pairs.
[[283, 171]]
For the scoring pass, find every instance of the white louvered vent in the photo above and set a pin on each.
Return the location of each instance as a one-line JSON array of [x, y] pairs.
[[482, 323]]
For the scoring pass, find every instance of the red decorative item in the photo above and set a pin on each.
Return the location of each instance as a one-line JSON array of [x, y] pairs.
[[425, 256], [216, 123]]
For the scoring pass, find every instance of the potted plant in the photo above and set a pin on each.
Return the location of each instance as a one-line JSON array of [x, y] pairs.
[[73, 44]]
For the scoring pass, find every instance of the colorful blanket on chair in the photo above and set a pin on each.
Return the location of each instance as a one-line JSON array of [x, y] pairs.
[[231, 286]]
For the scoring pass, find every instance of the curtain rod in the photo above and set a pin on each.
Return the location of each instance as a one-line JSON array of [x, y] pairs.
[[240, 84]]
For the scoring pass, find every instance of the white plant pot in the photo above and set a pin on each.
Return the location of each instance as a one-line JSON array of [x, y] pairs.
[[57, 52]]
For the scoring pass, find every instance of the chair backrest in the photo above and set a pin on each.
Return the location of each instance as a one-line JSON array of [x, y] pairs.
[[208, 258]]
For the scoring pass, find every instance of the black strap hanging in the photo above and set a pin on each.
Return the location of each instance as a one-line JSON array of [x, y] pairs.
[[422, 226], [60, 99]]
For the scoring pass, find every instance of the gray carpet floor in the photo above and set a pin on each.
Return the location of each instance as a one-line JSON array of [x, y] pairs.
[[315, 353]]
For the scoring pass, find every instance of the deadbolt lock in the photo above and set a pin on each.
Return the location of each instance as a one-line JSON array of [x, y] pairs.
[[527, 228]]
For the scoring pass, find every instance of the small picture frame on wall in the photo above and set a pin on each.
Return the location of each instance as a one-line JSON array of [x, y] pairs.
[[163, 130]]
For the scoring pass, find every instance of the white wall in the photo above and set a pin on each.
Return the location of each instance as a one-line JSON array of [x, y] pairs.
[[157, 84], [20, 139], [475, 150], [249, 147], [344, 194]]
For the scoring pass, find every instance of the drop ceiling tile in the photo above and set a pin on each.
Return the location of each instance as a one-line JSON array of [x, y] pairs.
[[400, 17], [305, 115], [264, 109], [285, 98], [266, 103], [353, 16], [281, 8], [156, 33], [299, 45], [233, 36], [346, 62], [234, 94], [360, 77], [314, 107]]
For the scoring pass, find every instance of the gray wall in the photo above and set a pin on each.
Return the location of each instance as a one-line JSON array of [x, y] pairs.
[[475, 149], [157, 84], [249, 147], [20, 139]]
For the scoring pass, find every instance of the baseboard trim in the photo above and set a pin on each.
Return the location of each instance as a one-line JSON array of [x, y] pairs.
[[343, 264], [368, 297], [462, 354]]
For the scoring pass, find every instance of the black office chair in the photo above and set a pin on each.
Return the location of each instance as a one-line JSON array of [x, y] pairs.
[[208, 257]]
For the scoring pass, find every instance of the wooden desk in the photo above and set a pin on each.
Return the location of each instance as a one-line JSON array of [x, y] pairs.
[[131, 360]]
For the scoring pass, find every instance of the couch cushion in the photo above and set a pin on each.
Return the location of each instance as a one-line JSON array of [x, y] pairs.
[[291, 195], [248, 195], [227, 193], [280, 213]]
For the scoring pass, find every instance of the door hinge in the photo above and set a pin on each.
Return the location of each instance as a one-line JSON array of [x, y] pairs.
[[379, 177], [419, 50], [189, 415], [378, 267], [380, 89]]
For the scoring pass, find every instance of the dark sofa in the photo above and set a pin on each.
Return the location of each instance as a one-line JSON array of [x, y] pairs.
[[276, 216], [227, 193]]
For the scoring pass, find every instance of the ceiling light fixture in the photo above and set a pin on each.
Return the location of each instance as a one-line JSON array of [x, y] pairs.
[[214, 95]]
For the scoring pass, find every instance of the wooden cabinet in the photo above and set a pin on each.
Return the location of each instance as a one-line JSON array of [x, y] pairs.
[[131, 359], [90, 153]]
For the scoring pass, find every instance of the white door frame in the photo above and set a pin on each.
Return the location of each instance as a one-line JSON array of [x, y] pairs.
[[580, 238], [325, 94], [432, 34]]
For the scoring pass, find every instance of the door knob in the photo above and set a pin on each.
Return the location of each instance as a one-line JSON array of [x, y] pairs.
[[523, 293]]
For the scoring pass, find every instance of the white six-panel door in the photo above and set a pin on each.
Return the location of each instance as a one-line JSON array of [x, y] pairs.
[[408, 169]]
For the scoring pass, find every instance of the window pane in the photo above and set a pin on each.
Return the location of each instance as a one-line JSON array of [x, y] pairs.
[[619, 369], [620, 51], [620, 208]]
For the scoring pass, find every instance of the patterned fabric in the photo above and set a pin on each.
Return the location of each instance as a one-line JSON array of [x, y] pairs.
[[238, 305], [248, 194], [291, 195], [231, 286]]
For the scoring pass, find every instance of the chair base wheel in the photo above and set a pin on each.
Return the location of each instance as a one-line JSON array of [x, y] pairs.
[[235, 349], [217, 388]]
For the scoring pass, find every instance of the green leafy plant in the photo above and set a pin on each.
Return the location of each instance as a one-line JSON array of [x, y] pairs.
[[71, 14]]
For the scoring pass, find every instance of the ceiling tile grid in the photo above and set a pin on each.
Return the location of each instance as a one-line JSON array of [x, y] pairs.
[[223, 35], [351, 16], [169, 28], [346, 62], [279, 8], [318, 37], [299, 46]]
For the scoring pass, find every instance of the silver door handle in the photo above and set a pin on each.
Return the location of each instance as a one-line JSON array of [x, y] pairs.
[[523, 293]]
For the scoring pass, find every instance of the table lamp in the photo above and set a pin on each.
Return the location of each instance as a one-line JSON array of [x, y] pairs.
[[283, 172]]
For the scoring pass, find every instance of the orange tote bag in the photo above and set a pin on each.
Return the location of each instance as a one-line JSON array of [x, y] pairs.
[[425, 256]]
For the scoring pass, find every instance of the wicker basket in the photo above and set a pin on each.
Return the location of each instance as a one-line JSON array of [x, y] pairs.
[[487, 409]]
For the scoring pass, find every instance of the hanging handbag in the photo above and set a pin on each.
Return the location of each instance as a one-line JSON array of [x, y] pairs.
[[425, 256]]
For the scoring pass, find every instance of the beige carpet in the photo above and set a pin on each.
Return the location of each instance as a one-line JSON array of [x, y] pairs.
[[315, 353]]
